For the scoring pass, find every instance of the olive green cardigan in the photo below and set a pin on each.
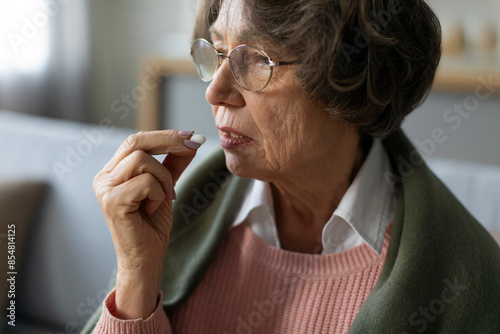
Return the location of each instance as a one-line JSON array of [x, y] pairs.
[[441, 274]]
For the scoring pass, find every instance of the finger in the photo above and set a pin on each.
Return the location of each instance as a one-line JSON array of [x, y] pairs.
[[142, 189], [177, 164], [152, 142], [137, 163]]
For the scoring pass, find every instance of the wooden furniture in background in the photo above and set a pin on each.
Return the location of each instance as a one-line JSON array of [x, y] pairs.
[[468, 57], [464, 79], [157, 68]]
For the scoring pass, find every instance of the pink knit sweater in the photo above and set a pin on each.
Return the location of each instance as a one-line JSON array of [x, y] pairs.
[[253, 287]]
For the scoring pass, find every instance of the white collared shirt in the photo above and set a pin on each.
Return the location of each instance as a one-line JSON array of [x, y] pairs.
[[361, 216]]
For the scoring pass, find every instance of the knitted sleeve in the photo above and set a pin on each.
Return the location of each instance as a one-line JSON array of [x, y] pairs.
[[157, 323]]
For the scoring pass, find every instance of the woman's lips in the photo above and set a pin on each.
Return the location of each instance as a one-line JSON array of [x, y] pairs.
[[233, 139]]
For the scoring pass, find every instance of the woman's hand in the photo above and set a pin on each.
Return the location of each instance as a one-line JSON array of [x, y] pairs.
[[135, 192]]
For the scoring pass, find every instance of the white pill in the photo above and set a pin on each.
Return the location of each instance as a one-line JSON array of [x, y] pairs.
[[199, 139]]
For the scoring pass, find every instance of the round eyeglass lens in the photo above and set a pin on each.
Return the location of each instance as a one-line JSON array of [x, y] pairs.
[[205, 59], [250, 67]]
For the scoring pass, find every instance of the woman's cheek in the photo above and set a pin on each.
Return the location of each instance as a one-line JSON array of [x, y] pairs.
[[276, 152]]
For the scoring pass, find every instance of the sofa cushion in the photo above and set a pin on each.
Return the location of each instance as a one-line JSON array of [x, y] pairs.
[[19, 201]]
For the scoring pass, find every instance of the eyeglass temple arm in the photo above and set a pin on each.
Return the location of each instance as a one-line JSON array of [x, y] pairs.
[[281, 63]]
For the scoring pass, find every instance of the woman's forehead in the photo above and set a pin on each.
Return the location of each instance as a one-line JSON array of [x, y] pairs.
[[244, 36], [232, 24]]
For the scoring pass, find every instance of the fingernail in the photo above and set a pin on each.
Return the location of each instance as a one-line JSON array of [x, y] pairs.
[[174, 195], [191, 144], [186, 133]]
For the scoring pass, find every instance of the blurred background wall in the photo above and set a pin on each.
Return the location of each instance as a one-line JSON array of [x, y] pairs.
[[45, 58], [123, 33], [72, 59]]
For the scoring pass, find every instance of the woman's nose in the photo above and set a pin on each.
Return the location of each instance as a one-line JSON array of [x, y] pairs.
[[223, 89]]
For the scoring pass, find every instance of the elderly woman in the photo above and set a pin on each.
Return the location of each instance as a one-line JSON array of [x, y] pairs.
[[319, 216]]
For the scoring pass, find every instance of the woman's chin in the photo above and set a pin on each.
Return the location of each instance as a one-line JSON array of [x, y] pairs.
[[240, 166]]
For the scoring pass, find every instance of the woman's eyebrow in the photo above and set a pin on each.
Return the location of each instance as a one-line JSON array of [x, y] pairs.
[[212, 31], [247, 35], [243, 37]]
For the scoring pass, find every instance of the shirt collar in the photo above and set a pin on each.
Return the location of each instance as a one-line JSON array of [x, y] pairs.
[[362, 215], [257, 210], [366, 208]]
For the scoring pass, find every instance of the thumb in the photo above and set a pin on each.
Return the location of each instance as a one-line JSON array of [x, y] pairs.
[[176, 164]]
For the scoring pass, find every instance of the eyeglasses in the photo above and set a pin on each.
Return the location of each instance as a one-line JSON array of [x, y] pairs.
[[251, 68]]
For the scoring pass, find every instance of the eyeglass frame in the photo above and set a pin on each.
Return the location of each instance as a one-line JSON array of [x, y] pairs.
[[221, 57]]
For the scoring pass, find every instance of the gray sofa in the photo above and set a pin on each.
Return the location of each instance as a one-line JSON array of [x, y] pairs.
[[68, 257]]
